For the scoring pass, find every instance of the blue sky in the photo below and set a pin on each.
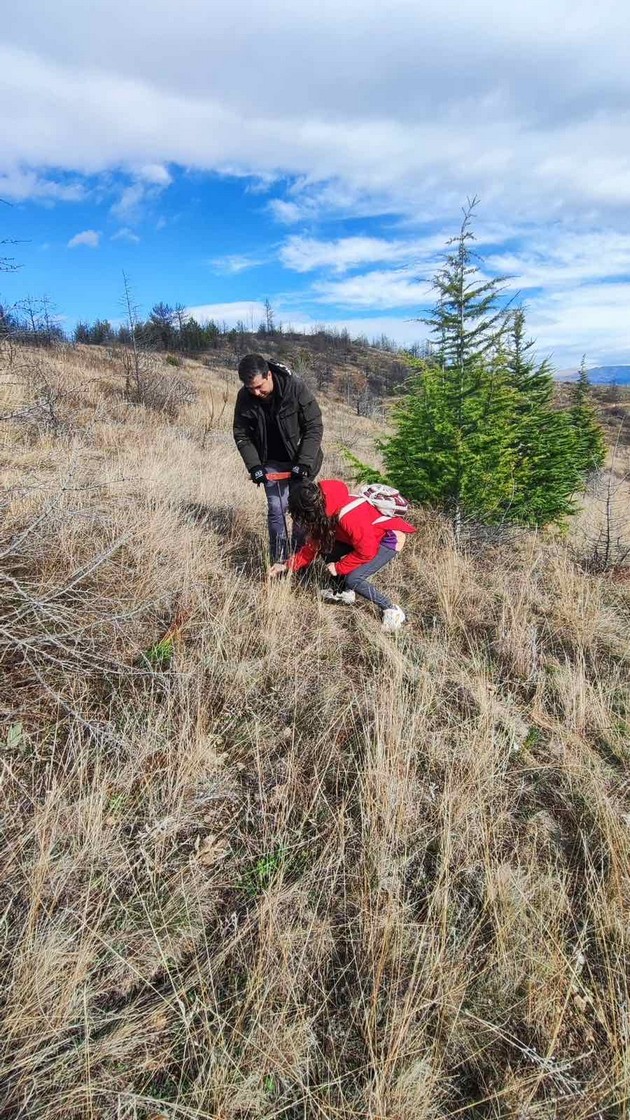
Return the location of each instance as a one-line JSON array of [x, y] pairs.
[[319, 155]]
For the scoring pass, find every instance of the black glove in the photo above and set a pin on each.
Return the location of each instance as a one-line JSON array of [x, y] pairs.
[[258, 475], [298, 472]]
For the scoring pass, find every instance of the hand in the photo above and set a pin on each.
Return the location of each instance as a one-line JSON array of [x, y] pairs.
[[298, 472], [276, 570], [332, 568], [258, 475]]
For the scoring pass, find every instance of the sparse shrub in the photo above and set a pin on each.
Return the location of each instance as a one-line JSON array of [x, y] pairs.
[[42, 403], [147, 383]]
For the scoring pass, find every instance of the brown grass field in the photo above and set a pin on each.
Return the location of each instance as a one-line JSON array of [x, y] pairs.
[[260, 860]]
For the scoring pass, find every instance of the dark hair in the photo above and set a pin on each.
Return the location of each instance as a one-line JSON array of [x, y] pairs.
[[252, 366], [306, 506]]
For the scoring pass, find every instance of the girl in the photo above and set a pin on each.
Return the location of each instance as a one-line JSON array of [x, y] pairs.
[[355, 545]]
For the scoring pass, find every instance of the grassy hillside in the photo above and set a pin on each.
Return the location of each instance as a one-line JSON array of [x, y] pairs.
[[259, 859]]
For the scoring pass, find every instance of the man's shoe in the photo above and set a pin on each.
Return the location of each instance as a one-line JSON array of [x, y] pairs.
[[393, 619], [329, 596]]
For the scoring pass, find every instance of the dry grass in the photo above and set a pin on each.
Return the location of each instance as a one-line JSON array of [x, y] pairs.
[[261, 861]]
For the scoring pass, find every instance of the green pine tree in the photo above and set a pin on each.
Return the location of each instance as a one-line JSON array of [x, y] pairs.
[[590, 443], [546, 473], [476, 431], [452, 443]]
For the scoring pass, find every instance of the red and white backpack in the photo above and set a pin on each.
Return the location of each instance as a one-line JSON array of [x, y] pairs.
[[386, 499]]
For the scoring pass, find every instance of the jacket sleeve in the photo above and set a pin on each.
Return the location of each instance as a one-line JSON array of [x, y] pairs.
[[246, 447], [303, 557], [365, 543], [311, 427]]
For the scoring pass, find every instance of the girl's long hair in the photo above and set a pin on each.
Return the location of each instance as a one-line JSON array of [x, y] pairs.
[[306, 506]]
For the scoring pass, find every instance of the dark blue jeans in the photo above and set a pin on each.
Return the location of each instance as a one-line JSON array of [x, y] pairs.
[[282, 542], [357, 580]]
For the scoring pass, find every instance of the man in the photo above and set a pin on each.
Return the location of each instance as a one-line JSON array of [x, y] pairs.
[[277, 427]]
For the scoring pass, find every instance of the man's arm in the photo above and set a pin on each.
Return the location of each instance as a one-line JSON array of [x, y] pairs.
[[311, 427], [246, 447]]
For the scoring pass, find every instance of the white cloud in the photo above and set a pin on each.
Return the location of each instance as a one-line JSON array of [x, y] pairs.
[[565, 256], [249, 312], [507, 108], [376, 289], [128, 205], [148, 184], [304, 254], [125, 234], [155, 173], [300, 253], [287, 212], [89, 237], [590, 320], [234, 263], [346, 110], [18, 184]]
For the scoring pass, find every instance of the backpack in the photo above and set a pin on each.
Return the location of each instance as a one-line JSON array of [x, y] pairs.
[[386, 499]]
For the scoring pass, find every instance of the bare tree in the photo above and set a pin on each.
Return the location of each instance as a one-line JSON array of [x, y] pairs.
[[146, 380], [131, 356], [32, 309], [269, 318], [323, 373], [7, 264], [609, 546]]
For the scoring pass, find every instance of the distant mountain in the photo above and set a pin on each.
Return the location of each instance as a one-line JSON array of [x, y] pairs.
[[599, 375]]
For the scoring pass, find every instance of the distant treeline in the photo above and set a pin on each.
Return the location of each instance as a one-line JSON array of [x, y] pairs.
[[360, 370], [171, 329]]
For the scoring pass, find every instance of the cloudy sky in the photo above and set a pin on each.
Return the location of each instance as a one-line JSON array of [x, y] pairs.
[[319, 154]]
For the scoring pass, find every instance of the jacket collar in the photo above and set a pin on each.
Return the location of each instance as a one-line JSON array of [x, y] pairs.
[[281, 377]]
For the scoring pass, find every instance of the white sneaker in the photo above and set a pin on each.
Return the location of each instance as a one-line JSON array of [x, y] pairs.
[[329, 596], [393, 619]]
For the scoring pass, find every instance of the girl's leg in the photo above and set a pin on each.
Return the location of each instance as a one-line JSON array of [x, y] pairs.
[[338, 550], [358, 579]]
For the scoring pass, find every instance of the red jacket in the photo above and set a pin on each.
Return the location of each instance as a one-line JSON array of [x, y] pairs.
[[358, 529]]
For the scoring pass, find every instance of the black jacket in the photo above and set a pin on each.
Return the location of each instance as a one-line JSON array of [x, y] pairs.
[[298, 417]]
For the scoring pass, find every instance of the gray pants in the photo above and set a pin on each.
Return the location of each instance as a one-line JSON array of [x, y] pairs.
[[281, 543], [357, 580]]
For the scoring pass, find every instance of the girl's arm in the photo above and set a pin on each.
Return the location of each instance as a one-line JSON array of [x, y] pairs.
[[303, 557]]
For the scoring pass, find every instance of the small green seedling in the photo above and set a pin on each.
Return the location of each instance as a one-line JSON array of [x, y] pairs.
[[533, 737], [261, 875], [269, 1085], [160, 655], [118, 802]]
